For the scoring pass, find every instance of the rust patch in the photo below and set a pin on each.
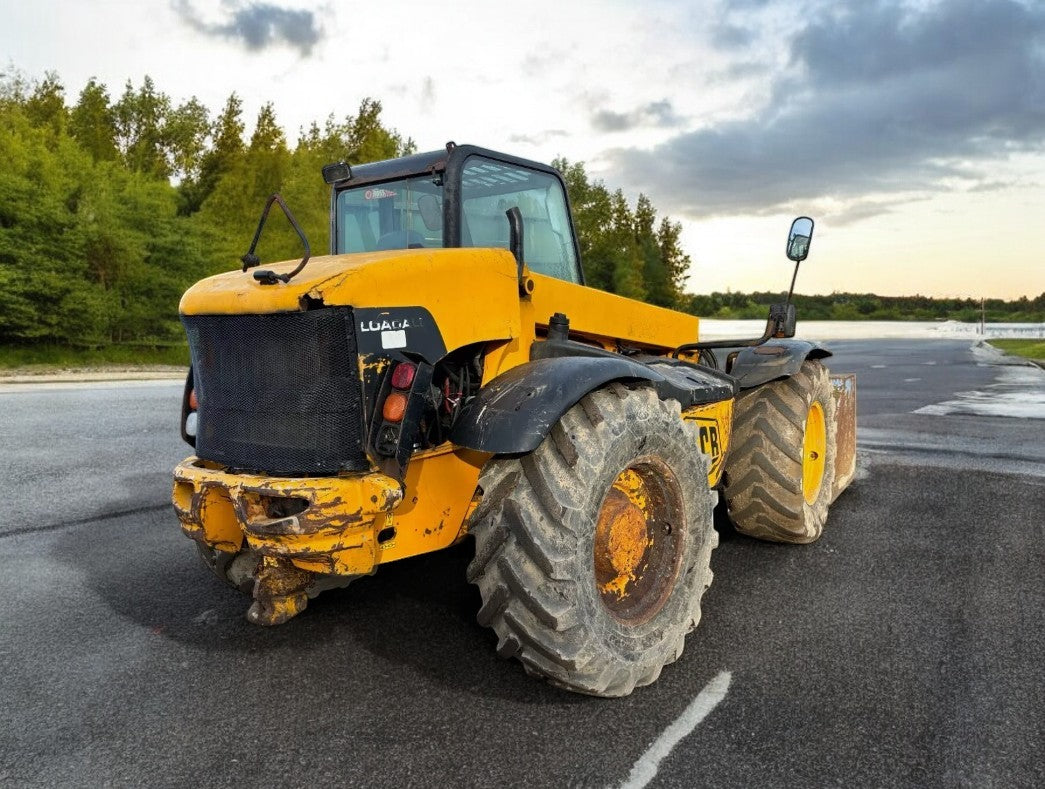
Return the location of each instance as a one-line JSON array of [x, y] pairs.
[[279, 591], [844, 394]]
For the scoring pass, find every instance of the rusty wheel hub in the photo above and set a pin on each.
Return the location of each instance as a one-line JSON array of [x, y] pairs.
[[638, 541]]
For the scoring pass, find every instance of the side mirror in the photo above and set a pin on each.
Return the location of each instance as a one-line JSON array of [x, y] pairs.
[[799, 239]]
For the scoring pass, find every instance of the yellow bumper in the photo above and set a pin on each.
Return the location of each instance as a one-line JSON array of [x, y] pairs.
[[322, 524]]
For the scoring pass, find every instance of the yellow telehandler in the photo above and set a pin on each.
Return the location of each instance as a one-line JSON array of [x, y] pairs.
[[445, 372]]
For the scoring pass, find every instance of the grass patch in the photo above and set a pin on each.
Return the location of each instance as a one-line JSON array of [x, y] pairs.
[[59, 357], [1028, 349]]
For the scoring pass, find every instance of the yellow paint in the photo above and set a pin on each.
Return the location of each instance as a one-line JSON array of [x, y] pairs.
[[622, 533], [714, 423], [471, 293], [606, 316], [354, 523], [814, 452], [339, 531], [440, 487], [331, 531]]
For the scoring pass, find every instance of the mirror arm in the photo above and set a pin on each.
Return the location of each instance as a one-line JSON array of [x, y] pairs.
[[773, 325], [781, 321], [794, 277]]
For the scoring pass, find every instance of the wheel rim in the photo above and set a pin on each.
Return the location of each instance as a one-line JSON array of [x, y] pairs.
[[814, 453], [638, 541]]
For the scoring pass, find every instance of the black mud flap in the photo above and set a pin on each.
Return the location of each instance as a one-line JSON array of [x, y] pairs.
[[776, 359], [514, 412]]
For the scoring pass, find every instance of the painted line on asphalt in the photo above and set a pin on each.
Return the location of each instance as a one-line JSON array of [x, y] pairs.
[[645, 769]]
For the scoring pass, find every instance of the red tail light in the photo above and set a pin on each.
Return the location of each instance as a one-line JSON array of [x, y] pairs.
[[403, 375]]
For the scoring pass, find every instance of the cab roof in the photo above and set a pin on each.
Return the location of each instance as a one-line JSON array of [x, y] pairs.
[[431, 162]]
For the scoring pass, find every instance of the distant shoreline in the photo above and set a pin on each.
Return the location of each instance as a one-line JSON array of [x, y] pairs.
[[712, 328]]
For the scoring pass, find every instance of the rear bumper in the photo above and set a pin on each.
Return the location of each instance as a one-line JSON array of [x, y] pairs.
[[323, 524]]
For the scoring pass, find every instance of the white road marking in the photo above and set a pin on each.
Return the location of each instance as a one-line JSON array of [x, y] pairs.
[[911, 380], [645, 769], [877, 366], [1030, 405], [1019, 392]]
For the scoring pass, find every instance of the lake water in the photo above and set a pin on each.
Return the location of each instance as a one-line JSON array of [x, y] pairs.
[[853, 330]]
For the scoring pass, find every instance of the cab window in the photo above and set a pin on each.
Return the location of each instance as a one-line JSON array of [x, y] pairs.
[[403, 214], [489, 188]]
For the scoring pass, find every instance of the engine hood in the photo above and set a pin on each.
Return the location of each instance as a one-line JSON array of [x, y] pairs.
[[471, 293]]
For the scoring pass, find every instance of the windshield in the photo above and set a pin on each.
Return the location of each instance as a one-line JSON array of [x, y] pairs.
[[408, 214], [489, 188], [404, 214]]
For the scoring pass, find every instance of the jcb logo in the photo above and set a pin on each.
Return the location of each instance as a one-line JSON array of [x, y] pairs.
[[712, 422], [709, 443]]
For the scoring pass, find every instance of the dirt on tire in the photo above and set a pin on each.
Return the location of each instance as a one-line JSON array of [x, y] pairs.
[[763, 480], [535, 539]]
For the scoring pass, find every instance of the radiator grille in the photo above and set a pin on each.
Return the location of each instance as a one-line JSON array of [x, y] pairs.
[[278, 394]]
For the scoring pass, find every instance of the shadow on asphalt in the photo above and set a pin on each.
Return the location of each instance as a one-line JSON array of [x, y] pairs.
[[417, 613]]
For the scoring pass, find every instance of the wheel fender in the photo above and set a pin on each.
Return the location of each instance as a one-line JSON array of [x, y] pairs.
[[776, 359], [514, 412]]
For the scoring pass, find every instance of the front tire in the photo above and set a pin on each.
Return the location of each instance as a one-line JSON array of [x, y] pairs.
[[593, 551], [780, 468]]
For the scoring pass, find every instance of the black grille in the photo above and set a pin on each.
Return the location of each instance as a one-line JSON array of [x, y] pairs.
[[278, 394]]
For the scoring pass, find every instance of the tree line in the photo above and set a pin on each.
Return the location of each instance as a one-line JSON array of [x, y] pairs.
[[868, 306], [111, 206]]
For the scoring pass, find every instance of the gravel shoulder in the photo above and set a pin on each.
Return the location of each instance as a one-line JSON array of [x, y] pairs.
[[52, 375]]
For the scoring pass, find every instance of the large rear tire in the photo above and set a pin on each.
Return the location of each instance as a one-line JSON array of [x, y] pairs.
[[780, 468], [593, 551]]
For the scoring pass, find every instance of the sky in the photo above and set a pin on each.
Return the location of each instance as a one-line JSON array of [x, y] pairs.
[[912, 132]]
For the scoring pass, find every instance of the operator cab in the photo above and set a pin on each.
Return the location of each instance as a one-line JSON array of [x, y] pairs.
[[457, 197]]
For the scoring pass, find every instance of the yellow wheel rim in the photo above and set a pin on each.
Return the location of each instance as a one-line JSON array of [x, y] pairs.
[[814, 453], [638, 541]]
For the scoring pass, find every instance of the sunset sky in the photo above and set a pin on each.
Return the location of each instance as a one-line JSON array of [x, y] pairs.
[[913, 132]]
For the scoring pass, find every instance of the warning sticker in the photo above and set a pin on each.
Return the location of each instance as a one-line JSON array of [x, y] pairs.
[[393, 339]]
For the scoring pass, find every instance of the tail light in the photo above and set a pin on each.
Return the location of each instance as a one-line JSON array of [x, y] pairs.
[[189, 405], [403, 375], [399, 410], [394, 408]]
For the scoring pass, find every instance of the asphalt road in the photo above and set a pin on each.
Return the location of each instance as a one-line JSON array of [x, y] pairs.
[[903, 649]]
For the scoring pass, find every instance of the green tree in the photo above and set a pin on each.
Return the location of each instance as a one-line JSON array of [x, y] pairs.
[[45, 107], [185, 132], [674, 262], [221, 157], [140, 117], [92, 122], [592, 207], [628, 265], [230, 212]]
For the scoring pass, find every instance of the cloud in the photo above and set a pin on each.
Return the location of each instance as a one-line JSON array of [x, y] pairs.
[[256, 26], [878, 98], [659, 114], [538, 138], [427, 94]]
